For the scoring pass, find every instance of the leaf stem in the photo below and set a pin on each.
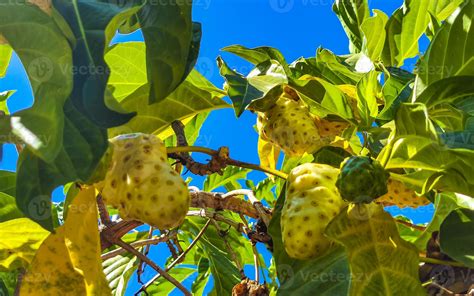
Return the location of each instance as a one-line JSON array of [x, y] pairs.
[[441, 262], [184, 149]]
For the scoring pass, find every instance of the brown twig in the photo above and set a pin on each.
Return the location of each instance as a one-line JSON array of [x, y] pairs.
[[211, 214], [418, 227], [103, 213], [179, 259], [152, 264], [141, 267], [231, 251], [138, 244], [263, 213]]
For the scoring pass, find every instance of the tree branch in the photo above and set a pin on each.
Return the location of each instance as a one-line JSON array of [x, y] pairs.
[[152, 264], [179, 259]]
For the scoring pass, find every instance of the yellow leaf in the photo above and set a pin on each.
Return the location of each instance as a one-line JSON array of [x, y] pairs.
[[68, 262], [20, 238], [268, 154]]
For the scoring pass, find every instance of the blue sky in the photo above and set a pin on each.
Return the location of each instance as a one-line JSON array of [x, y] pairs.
[[296, 27]]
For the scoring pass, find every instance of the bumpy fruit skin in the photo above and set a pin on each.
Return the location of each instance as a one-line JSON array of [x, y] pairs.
[[362, 179], [330, 129], [312, 201], [290, 126], [142, 185], [400, 195]]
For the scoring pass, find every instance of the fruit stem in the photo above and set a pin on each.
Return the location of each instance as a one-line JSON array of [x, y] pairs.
[[181, 149], [441, 262]]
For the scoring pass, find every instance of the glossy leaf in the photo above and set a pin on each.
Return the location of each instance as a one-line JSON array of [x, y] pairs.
[[3, 100], [456, 236], [396, 90], [305, 277], [60, 259], [118, 271], [45, 54], [451, 52], [352, 14], [84, 145], [195, 95], [5, 56], [415, 145], [368, 90], [8, 182], [230, 175], [168, 32], [381, 261], [8, 209], [21, 238], [373, 29], [259, 55], [163, 287], [91, 23]]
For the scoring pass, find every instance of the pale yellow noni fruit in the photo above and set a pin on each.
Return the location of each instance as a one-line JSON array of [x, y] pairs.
[[289, 125], [312, 201], [141, 184], [400, 195]]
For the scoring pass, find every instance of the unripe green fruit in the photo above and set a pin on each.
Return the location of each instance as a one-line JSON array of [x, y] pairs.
[[141, 184], [290, 126], [312, 201], [362, 179]]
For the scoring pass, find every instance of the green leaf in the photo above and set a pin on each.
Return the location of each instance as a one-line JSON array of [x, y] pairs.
[[118, 271], [203, 277], [323, 98], [368, 90], [5, 56], [404, 29], [331, 155], [83, 146], [46, 55], [230, 174], [451, 53], [93, 24], [245, 90], [20, 239], [259, 55], [223, 270], [3, 100], [396, 90], [195, 95], [447, 90], [8, 282], [8, 209], [168, 33], [8, 182], [456, 237], [374, 34], [163, 287], [352, 14], [127, 64], [327, 66], [415, 145], [304, 277], [381, 261]]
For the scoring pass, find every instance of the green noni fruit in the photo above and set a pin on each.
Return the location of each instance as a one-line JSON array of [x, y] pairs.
[[362, 179]]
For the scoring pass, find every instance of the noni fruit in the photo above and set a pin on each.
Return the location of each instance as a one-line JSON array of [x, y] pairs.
[[362, 179], [312, 201], [289, 125], [402, 196], [141, 184]]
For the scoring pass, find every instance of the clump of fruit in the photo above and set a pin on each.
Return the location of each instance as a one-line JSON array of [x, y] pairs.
[[400, 195], [289, 125], [141, 184], [312, 201], [362, 179]]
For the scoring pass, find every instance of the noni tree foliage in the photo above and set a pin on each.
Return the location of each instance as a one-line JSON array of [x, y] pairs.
[[357, 133]]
